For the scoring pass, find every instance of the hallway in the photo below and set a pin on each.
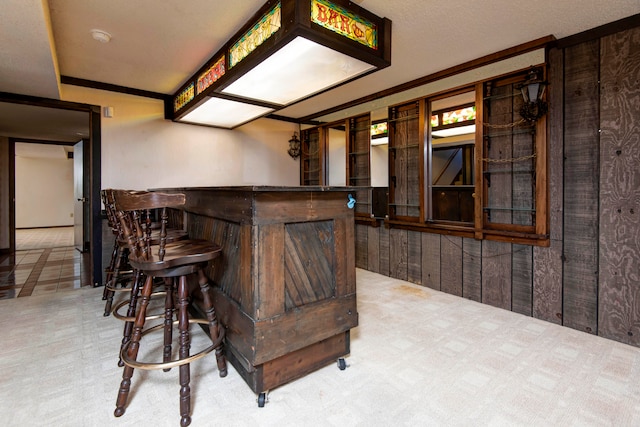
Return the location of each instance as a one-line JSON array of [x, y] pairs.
[[45, 262]]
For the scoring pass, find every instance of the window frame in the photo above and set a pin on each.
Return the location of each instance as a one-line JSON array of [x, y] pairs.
[[537, 234], [428, 178]]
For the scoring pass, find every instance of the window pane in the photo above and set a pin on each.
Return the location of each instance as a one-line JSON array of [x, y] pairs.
[[452, 159]]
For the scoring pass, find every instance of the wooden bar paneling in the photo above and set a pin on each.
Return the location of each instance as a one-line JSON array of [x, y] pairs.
[[451, 272], [398, 253], [522, 280], [271, 264], [373, 249], [414, 257], [619, 252], [472, 269], [345, 265], [547, 271], [302, 327], [580, 278], [385, 249], [431, 260], [287, 367], [496, 274], [311, 272], [362, 253], [286, 278]]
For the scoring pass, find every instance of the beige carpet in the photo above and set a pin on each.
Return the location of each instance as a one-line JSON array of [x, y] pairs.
[[419, 357]]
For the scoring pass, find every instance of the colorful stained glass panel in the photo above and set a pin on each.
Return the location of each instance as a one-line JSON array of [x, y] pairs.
[[461, 115], [379, 129], [258, 34], [210, 76], [344, 22], [184, 97]]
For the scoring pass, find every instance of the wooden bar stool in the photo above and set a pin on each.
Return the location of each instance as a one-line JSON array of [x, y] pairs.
[[119, 273], [115, 275], [172, 262]]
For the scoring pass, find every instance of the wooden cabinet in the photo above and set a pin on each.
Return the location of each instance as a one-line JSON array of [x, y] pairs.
[[405, 167], [285, 284], [313, 162], [359, 162]]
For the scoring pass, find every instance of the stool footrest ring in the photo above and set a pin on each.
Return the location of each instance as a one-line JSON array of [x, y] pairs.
[[173, 363], [132, 319]]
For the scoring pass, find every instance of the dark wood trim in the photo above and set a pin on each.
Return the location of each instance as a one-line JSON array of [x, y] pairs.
[[292, 120], [476, 63], [92, 172], [598, 32], [75, 81], [469, 232], [12, 195], [95, 174], [45, 141], [15, 98]]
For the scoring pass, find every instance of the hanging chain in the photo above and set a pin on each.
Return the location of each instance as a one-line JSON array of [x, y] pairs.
[[510, 160], [506, 125]]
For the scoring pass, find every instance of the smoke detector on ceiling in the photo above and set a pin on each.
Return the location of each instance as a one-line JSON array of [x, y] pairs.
[[100, 35]]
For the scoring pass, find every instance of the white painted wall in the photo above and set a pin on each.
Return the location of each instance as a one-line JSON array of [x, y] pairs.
[[337, 149], [140, 149], [380, 165], [44, 192]]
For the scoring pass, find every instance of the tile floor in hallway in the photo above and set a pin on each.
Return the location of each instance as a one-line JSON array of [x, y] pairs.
[[39, 266]]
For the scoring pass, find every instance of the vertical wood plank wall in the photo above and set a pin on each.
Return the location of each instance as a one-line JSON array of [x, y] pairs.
[[589, 276], [619, 249]]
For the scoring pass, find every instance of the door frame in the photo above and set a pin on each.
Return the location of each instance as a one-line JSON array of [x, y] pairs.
[[91, 172]]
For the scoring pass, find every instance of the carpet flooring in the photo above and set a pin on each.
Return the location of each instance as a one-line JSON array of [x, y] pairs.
[[418, 358]]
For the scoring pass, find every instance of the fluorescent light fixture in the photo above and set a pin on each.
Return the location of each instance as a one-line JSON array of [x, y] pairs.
[[299, 69], [289, 51], [460, 130], [224, 113]]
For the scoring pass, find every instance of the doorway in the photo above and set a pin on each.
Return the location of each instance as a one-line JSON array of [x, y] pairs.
[[55, 118], [44, 194]]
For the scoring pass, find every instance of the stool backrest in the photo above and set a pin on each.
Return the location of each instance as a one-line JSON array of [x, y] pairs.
[[133, 212], [112, 219]]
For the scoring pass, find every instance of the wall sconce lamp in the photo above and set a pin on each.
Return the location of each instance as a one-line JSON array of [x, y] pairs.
[[294, 146], [532, 92]]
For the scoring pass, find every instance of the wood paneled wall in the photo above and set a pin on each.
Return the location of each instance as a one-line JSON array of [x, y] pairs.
[[589, 276]]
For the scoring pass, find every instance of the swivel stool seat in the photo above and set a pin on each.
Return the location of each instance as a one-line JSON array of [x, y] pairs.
[[119, 272], [172, 262]]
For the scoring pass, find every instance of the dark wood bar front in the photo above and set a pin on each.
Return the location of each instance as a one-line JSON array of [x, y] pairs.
[[285, 284]]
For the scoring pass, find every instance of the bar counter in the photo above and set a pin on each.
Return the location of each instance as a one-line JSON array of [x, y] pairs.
[[285, 285]]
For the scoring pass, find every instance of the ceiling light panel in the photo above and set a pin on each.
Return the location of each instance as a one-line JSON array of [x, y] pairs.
[[224, 113], [293, 50], [299, 69]]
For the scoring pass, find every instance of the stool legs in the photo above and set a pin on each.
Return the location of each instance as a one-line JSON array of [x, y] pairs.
[[113, 279], [132, 350], [132, 345], [168, 320], [183, 327], [109, 271], [214, 330], [131, 312]]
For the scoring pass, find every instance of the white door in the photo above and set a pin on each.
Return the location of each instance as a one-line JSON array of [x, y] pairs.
[[79, 197]]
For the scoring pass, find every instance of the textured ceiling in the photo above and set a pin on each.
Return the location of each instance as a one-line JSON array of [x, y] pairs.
[[156, 45]]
